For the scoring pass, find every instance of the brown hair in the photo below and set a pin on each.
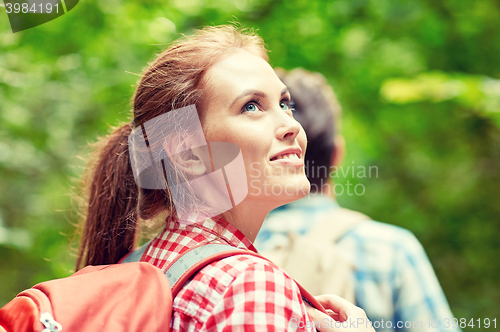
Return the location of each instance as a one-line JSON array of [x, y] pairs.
[[112, 201]]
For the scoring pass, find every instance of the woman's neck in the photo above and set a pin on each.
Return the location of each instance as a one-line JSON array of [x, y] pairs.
[[248, 217]]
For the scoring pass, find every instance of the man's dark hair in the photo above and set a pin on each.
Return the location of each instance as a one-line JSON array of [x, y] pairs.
[[318, 111]]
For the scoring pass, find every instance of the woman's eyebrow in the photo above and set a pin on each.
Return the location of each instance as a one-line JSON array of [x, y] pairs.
[[255, 93], [249, 92]]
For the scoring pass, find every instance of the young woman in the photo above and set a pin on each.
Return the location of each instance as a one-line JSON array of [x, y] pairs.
[[225, 74]]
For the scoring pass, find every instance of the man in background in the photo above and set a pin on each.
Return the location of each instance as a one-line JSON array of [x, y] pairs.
[[382, 268]]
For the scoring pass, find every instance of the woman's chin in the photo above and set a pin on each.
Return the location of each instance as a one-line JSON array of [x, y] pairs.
[[285, 192], [300, 190]]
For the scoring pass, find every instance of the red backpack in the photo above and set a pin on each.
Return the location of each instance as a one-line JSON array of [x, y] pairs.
[[134, 296]]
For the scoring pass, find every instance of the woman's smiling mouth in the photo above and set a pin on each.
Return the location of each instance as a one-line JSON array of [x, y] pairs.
[[290, 157]]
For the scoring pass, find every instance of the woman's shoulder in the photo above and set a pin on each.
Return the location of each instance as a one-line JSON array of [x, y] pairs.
[[236, 264], [234, 282], [243, 268]]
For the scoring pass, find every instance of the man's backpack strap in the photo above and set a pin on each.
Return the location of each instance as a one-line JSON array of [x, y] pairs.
[[196, 258], [313, 260], [333, 227]]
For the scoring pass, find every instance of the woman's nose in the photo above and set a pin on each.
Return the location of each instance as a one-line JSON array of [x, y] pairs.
[[288, 127]]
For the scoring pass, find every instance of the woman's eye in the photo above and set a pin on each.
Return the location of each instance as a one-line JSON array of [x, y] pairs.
[[287, 105], [250, 107]]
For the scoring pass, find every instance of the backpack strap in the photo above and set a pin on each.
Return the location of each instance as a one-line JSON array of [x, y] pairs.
[[333, 226], [196, 258], [327, 271], [313, 260], [135, 256]]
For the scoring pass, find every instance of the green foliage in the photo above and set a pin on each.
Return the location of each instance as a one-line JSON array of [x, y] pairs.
[[419, 82]]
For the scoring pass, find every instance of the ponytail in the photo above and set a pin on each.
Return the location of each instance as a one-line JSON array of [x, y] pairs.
[[110, 196]]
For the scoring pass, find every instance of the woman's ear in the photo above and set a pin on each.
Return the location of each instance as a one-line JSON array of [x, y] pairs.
[[190, 160]]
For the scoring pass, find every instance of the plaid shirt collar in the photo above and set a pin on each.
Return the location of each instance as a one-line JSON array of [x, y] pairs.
[[180, 236]]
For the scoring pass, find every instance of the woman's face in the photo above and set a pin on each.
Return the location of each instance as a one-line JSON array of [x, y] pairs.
[[246, 104]]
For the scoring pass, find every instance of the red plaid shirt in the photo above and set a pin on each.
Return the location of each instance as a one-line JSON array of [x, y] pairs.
[[238, 293]]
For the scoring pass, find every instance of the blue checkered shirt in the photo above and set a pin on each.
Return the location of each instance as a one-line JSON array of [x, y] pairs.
[[394, 280]]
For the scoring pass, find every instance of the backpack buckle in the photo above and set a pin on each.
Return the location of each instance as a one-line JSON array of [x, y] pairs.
[[50, 323]]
